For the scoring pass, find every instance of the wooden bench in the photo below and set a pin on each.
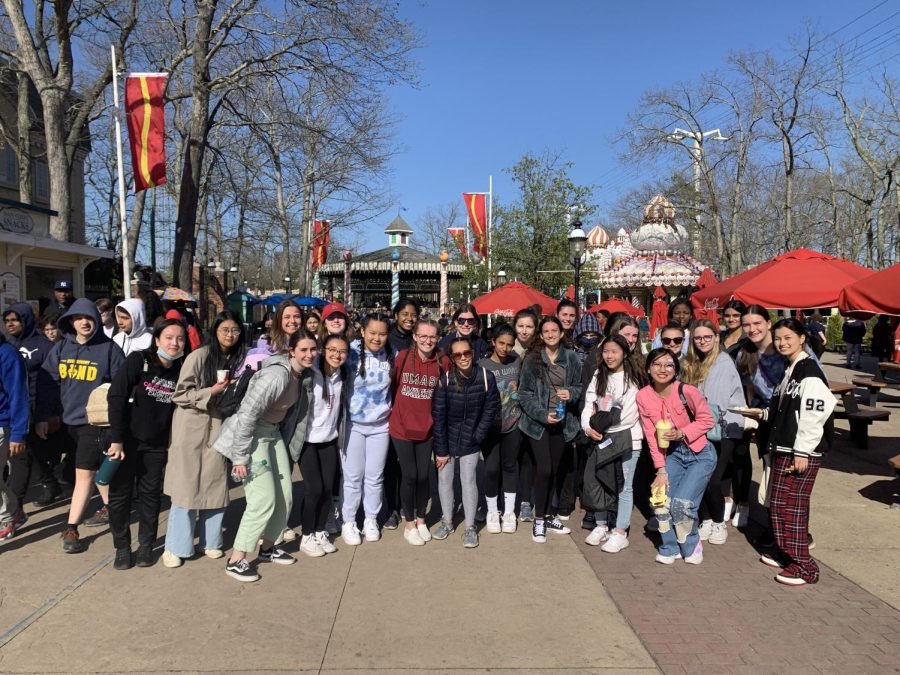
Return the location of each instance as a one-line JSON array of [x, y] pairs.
[[874, 386], [860, 418], [895, 464], [886, 367]]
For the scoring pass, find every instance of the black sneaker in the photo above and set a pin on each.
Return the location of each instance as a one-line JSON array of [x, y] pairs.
[[277, 556], [393, 521], [554, 525], [144, 556], [539, 531], [241, 571], [71, 543], [50, 492], [123, 559], [99, 519], [810, 542], [588, 522]]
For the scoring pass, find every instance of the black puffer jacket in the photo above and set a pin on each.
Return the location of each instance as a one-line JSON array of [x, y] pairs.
[[463, 409]]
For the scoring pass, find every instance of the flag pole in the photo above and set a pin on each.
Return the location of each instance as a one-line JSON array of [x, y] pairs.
[[126, 265]]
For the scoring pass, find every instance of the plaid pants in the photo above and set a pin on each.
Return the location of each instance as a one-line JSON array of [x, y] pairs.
[[790, 514]]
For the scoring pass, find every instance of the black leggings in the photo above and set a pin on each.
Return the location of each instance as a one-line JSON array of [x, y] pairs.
[[739, 474], [713, 504], [548, 452], [415, 463], [143, 467], [318, 464], [392, 480], [501, 450]]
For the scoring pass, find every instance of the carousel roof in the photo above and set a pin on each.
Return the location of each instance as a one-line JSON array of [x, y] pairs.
[[653, 269], [597, 237], [411, 260]]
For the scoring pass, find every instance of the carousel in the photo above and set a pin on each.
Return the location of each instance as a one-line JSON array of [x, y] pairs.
[[632, 265], [378, 278]]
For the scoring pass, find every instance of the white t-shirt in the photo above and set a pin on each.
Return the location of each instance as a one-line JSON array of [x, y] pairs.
[[323, 426], [627, 397]]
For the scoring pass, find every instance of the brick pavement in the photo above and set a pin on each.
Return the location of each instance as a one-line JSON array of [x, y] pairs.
[[729, 615]]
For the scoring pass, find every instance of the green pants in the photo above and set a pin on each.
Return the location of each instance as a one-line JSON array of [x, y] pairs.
[[269, 494]]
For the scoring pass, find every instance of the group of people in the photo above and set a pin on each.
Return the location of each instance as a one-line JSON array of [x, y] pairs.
[[558, 408]]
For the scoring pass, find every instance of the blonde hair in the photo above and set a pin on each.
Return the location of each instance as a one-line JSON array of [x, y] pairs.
[[696, 365]]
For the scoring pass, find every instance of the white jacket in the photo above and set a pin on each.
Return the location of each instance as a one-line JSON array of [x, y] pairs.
[[139, 338]]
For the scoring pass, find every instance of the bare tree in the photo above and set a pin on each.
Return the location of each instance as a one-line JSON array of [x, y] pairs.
[[432, 230]]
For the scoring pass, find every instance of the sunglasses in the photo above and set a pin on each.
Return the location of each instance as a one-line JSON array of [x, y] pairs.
[[466, 321], [459, 356], [673, 341]]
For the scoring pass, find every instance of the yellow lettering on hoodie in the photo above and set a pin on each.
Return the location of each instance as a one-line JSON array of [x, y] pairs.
[[78, 369]]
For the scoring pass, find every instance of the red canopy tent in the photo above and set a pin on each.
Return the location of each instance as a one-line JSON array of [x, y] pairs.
[[614, 305], [660, 311], [877, 293], [707, 279], [510, 298], [801, 279]]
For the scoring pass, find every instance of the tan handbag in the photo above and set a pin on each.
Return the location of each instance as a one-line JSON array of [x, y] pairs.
[[97, 408], [765, 483]]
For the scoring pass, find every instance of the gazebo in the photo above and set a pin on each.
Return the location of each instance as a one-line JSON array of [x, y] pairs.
[[422, 276], [631, 266]]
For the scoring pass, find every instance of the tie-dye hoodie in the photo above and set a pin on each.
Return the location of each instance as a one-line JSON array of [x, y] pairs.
[[370, 393]]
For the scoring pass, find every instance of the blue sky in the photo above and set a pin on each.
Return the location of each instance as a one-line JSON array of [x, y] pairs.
[[502, 78]]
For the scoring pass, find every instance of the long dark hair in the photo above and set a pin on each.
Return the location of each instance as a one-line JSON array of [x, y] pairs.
[[342, 370], [454, 369], [219, 360], [655, 355], [369, 318], [631, 373], [467, 308], [793, 325], [538, 345], [680, 300]]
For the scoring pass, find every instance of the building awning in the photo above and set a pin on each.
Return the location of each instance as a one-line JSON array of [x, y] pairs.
[[337, 269], [29, 242]]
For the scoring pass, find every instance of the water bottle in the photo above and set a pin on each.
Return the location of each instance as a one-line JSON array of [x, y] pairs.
[[253, 470], [561, 410], [107, 470]]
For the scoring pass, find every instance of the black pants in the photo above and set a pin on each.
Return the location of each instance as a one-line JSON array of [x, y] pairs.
[[526, 473], [548, 453], [318, 464], [143, 466], [39, 457], [501, 455], [712, 506], [567, 481], [415, 465], [392, 480], [739, 474]]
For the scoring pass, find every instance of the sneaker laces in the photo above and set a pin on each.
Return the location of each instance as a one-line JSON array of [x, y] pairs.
[[241, 565]]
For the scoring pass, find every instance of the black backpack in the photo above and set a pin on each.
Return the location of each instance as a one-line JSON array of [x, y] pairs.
[[230, 399]]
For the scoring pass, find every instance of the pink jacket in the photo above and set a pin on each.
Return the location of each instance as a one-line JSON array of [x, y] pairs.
[[651, 406]]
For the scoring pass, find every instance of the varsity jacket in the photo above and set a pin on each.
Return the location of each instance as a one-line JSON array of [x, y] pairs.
[[800, 412]]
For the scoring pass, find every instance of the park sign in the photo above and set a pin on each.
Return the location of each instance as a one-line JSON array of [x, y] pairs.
[[15, 221]]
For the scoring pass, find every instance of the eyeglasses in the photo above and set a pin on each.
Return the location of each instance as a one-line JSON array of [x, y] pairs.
[[459, 356], [229, 331], [704, 338], [426, 338], [466, 321], [663, 366], [673, 341], [339, 352]]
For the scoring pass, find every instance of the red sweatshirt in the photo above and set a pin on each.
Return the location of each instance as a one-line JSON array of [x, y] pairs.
[[414, 384]]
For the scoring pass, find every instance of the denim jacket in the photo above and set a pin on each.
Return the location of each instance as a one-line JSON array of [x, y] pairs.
[[534, 393]]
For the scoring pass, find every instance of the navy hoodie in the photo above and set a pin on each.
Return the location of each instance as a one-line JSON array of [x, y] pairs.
[[13, 393], [81, 368], [34, 347]]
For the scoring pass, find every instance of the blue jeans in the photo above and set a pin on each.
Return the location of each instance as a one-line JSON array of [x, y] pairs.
[[689, 473], [626, 496], [180, 530]]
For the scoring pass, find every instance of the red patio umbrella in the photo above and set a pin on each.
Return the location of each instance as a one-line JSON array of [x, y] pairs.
[[614, 305], [510, 298], [878, 293], [659, 316], [705, 280], [801, 279]]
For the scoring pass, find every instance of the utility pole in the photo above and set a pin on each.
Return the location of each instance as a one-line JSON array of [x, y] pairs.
[[696, 139]]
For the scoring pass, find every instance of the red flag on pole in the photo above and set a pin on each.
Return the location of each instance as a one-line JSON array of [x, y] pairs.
[[321, 239], [459, 236], [475, 207], [145, 115]]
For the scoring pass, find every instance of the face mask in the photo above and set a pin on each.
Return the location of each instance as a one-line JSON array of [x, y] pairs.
[[587, 343], [168, 357]]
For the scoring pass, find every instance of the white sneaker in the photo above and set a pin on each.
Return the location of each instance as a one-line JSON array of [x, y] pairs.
[[741, 516], [729, 509], [325, 542], [667, 559], [413, 537], [288, 535], [615, 543], [510, 523], [705, 529], [424, 532], [719, 534], [370, 529], [309, 544], [171, 560], [696, 557], [214, 553], [493, 522], [597, 536], [350, 534]]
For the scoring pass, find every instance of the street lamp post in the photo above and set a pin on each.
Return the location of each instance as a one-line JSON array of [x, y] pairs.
[[577, 240], [233, 269], [210, 271], [287, 284], [347, 257], [501, 278]]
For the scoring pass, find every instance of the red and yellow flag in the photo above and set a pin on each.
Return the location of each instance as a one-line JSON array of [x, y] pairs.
[[321, 239], [458, 234], [145, 116], [475, 207]]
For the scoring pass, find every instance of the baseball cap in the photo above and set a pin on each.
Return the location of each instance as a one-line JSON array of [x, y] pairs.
[[333, 308], [62, 285]]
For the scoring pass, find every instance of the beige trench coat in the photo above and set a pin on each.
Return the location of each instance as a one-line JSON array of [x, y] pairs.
[[196, 475]]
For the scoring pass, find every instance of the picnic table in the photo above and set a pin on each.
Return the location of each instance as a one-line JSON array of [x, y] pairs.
[[859, 416], [886, 367], [873, 386]]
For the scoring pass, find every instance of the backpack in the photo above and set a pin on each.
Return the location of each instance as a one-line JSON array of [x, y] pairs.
[[230, 399], [715, 434]]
